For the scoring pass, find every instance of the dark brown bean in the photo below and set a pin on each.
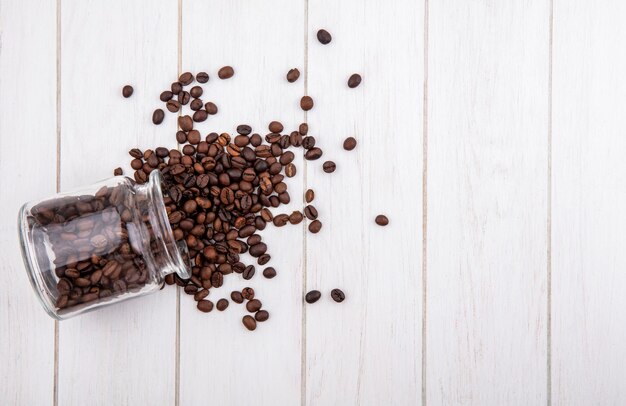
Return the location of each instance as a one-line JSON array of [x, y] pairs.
[[186, 78], [354, 80], [185, 123], [381, 220], [127, 91], [202, 77], [313, 154], [196, 91], [210, 108], [309, 195], [247, 293], [222, 305], [293, 75], [236, 297], [226, 72], [201, 294], [261, 315], [118, 171], [269, 272], [324, 37], [254, 305], [275, 127], [306, 103], [172, 106], [296, 217], [158, 116], [248, 272], [315, 226], [205, 306], [249, 322], [337, 295], [349, 144], [312, 296], [329, 167], [310, 212]]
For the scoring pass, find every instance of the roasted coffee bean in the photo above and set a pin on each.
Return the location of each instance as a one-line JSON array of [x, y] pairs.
[[158, 116], [194, 137], [309, 195], [313, 296], [354, 80], [247, 293], [210, 108], [200, 116], [118, 172], [195, 91], [293, 75], [253, 305], [222, 304], [184, 97], [136, 153], [281, 220], [217, 279], [201, 294], [127, 91], [349, 144], [226, 72], [186, 78], [248, 273], [310, 212], [313, 154], [315, 226], [269, 272], [196, 104], [258, 249], [290, 170], [202, 77], [337, 295], [382, 220], [275, 127], [262, 315], [308, 142], [255, 140], [165, 96], [172, 106], [303, 128], [306, 103], [205, 305], [329, 167], [249, 322], [176, 87], [191, 289], [236, 297], [324, 37], [296, 217], [244, 129], [263, 259]]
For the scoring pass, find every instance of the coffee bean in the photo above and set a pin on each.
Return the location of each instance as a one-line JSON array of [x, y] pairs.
[[310, 212], [324, 37], [269, 272], [201, 294], [244, 129], [247, 293], [205, 305], [158, 116], [313, 296], [329, 167], [222, 304], [296, 217], [337, 295], [118, 171], [261, 315], [236, 297], [315, 226], [313, 154], [196, 91], [280, 220], [354, 80], [248, 273], [293, 75], [290, 170], [172, 106], [186, 78], [226, 72], [135, 153], [194, 137], [263, 259], [127, 91], [306, 103], [275, 127], [176, 87], [200, 116], [253, 305], [382, 220], [303, 129], [184, 97], [309, 195], [249, 322], [210, 108], [185, 123], [202, 77], [349, 144]]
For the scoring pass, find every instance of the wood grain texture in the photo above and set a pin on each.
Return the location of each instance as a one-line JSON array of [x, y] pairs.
[[123, 354], [28, 167], [262, 41], [366, 350], [589, 189], [487, 203]]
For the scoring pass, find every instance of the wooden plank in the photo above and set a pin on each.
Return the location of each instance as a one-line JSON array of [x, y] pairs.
[[262, 41], [124, 354], [28, 167], [366, 350], [487, 203], [588, 279]]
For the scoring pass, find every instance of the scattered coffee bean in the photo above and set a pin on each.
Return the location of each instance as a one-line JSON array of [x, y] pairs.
[[315, 226], [313, 154], [226, 72], [337, 295], [324, 37], [329, 167], [210, 108], [201, 294], [158, 116], [262, 315], [269, 272], [202, 77], [172, 106], [127, 91], [205, 306], [310, 212], [222, 304], [313, 296], [236, 297], [354, 80], [248, 272], [296, 217], [382, 220], [253, 305], [293, 75], [275, 127], [306, 103], [118, 172], [186, 78], [247, 293], [249, 322], [309, 195], [349, 144]]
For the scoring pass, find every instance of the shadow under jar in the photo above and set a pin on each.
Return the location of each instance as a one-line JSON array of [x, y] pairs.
[[99, 245]]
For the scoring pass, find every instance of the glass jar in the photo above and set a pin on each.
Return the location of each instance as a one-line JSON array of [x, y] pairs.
[[99, 245]]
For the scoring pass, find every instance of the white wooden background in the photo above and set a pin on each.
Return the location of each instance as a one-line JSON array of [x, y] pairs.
[[492, 133]]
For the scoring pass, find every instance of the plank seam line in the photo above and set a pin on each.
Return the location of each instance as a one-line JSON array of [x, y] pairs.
[[425, 204], [303, 351], [549, 215], [55, 385]]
